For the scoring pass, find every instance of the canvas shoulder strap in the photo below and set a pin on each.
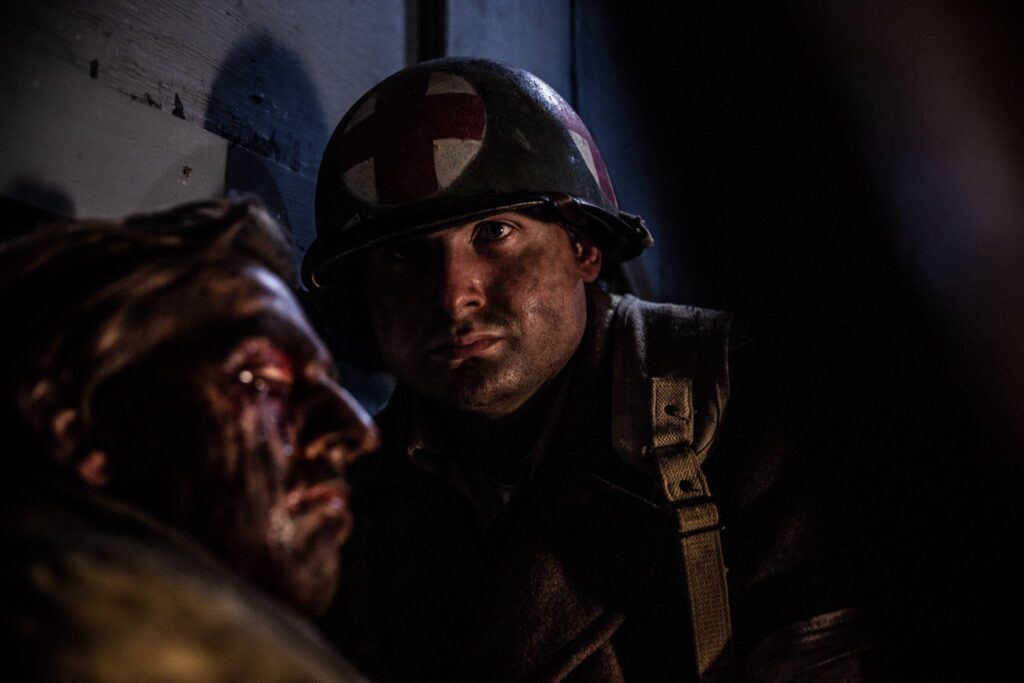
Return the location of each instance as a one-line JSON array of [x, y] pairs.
[[670, 387]]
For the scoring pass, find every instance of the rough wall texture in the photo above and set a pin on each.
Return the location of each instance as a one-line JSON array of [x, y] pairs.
[[535, 35], [259, 84]]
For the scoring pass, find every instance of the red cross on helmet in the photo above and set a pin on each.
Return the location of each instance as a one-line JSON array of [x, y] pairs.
[[450, 140]]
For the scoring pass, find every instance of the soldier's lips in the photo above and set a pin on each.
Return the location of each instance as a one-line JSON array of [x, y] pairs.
[[463, 348]]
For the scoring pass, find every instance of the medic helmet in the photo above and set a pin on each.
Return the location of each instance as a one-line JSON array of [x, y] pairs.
[[449, 140]]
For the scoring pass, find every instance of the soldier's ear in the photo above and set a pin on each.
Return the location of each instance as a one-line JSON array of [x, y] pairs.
[[589, 256], [93, 467]]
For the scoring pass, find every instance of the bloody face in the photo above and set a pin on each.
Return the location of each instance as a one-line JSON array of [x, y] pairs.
[[256, 432], [480, 316]]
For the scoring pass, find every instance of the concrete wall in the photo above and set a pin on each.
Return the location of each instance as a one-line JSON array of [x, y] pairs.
[[119, 106], [535, 35]]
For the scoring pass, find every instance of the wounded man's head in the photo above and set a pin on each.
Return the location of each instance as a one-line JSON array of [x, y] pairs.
[[164, 359]]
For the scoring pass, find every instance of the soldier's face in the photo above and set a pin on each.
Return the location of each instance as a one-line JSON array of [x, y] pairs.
[[249, 401], [480, 316]]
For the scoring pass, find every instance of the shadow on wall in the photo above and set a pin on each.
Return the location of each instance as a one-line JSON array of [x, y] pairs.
[[266, 106], [23, 214]]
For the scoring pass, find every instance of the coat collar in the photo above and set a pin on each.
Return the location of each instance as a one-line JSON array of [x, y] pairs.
[[584, 546], [583, 543]]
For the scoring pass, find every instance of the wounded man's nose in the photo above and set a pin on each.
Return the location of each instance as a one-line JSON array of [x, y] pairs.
[[339, 427]]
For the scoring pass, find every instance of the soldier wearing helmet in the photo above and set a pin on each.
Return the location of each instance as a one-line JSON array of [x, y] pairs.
[[541, 506]]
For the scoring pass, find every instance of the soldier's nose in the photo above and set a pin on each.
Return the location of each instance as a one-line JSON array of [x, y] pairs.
[[463, 279]]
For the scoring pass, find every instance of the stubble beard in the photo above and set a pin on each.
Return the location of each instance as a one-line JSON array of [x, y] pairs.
[[492, 387], [478, 385], [305, 562]]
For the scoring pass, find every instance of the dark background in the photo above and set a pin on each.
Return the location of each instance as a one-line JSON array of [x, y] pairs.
[[844, 177]]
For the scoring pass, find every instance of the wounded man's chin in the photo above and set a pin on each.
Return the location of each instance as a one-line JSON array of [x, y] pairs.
[[313, 588]]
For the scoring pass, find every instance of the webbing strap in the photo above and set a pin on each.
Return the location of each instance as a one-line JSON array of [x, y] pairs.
[[686, 489]]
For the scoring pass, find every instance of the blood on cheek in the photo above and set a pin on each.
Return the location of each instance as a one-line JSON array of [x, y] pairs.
[[262, 410]]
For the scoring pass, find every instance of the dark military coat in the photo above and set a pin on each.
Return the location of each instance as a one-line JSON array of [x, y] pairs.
[[578, 577]]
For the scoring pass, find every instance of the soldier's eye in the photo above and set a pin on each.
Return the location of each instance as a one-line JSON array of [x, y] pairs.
[[412, 250], [492, 231], [400, 253]]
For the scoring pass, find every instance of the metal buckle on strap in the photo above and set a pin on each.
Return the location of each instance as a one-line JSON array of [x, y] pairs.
[[703, 530], [684, 513]]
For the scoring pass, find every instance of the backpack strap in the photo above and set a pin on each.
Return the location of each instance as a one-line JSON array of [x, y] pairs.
[[662, 355], [699, 526]]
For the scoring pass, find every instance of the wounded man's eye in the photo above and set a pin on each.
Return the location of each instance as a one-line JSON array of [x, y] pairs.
[[266, 379], [259, 365]]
